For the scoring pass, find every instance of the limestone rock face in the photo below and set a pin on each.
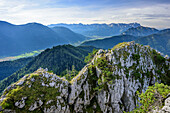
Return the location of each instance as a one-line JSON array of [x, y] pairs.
[[166, 107], [21, 104], [107, 84]]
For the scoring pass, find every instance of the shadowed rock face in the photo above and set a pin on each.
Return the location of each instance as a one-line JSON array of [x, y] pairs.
[[107, 84], [166, 108]]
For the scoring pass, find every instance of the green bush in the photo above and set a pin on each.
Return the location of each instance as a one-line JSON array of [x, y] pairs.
[[151, 96], [90, 56], [157, 57], [136, 56], [137, 75]]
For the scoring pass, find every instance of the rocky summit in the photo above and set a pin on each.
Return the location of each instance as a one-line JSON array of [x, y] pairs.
[[108, 84]]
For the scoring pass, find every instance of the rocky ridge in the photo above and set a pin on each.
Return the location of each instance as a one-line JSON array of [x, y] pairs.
[[108, 84]]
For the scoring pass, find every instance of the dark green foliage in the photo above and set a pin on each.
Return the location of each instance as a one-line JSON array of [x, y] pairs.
[[90, 109], [136, 57], [106, 75], [165, 78], [69, 74], [90, 56], [160, 61], [50, 71], [92, 77], [102, 63], [154, 94], [158, 58], [88, 48], [57, 59], [136, 75], [9, 67]]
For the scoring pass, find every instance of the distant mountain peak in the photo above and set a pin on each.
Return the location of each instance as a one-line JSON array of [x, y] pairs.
[[61, 27], [69, 35], [165, 30], [140, 31], [32, 24], [4, 23], [98, 30], [33, 36]]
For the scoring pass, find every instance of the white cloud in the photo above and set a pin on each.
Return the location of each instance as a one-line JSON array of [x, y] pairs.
[[24, 11]]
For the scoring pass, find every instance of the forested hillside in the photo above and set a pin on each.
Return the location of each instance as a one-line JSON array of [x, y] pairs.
[[9, 67], [159, 41], [107, 43], [59, 59]]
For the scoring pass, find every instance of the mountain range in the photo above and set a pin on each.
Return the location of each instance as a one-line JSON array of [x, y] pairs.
[[159, 40], [19, 39], [140, 31], [98, 30], [107, 43], [34, 36], [69, 36]]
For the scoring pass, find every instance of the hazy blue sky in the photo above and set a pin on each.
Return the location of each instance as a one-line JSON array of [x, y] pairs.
[[154, 13]]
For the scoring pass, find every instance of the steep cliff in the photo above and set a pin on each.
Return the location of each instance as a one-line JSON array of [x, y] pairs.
[[108, 84]]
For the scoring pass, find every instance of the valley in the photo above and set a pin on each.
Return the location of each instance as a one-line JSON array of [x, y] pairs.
[[81, 69], [25, 55]]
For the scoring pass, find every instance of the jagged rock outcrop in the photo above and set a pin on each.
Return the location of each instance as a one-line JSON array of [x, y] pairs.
[[107, 84], [166, 107]]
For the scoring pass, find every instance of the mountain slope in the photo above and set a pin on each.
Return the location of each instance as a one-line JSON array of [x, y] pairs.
[[108, 84], [159, 41], [18, 39], [98, 30], [164, 31], [107, 43], [69, 35], [140, 31], [9, 67], [57, 59]]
